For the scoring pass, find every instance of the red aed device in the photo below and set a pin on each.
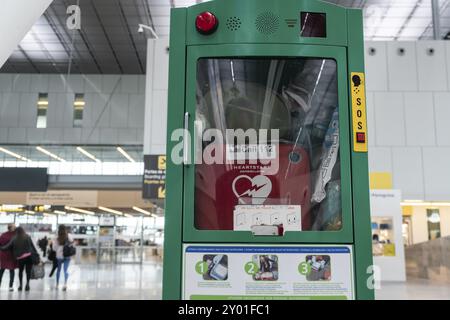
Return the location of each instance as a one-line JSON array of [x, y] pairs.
[[221, 187]]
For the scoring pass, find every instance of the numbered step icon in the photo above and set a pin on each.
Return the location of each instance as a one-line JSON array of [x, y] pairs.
[[201, 267], [251, 268], [304, 268]]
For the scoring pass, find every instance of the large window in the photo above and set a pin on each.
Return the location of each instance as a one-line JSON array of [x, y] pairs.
[[42, 106], [297, 97], [434, 224]]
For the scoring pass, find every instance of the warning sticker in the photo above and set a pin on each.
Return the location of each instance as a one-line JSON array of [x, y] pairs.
[[359, 112]]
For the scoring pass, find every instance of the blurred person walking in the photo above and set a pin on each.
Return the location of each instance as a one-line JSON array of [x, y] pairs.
[[7, 260], [63, 246], [25, 253], [52, 257], [42, 244]]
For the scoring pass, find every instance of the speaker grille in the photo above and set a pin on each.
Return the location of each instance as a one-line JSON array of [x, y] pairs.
[[267, 23], [233, 23]]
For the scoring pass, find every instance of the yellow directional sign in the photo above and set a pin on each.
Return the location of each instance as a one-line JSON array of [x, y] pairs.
[[154, 176], [162, 162], [161, 192]]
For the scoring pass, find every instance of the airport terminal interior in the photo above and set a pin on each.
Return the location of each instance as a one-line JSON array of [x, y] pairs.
[[92, 90]]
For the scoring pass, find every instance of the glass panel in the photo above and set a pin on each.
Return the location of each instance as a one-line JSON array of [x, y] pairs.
[[434, 224], [313, 25], [290, 180]]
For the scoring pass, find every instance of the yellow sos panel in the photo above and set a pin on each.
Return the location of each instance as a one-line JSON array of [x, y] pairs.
[[358, 83]]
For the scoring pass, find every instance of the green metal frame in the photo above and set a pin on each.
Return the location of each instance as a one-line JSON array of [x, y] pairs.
[[344, 43], [360, 171], [174, 189], [250, 9]]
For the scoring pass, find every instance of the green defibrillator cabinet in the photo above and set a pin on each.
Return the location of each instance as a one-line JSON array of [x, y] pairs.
[[267, 192]]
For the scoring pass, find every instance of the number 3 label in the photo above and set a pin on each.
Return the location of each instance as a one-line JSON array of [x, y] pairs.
[[304, 268]]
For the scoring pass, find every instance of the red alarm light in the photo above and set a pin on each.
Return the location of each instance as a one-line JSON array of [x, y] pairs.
[[360, 137], [206, 23]]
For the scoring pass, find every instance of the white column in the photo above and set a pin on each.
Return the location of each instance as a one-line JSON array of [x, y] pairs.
[[16, 19], [156, 90]]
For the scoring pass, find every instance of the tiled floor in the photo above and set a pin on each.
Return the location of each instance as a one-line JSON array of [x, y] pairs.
[[105, 282], [413, 290], [100, 282]]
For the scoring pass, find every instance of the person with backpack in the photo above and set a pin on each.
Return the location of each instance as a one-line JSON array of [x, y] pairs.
[[63, 246], [24, 252], [7, 260]]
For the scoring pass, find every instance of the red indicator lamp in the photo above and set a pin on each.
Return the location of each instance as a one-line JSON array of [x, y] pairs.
[[360, 137], [206, 23]]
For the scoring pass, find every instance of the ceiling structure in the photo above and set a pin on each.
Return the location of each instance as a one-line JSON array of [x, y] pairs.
[[109, 42], [103, 153]]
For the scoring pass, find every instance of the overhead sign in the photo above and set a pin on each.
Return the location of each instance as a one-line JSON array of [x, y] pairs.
[[23, 179], [63, 198], [107, 220], [154, 185], [358, 93], [36, 227]]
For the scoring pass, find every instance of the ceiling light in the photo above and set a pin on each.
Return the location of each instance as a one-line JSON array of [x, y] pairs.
[[29, 212], [425, 204], [79, 210], [59, 212], [11, 207], [54, 156], [79, 103], [416, 204], [128, 215], [111, 211], [126, 155], [142, 211], [13, 154], [87, 154], [42, 103]]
